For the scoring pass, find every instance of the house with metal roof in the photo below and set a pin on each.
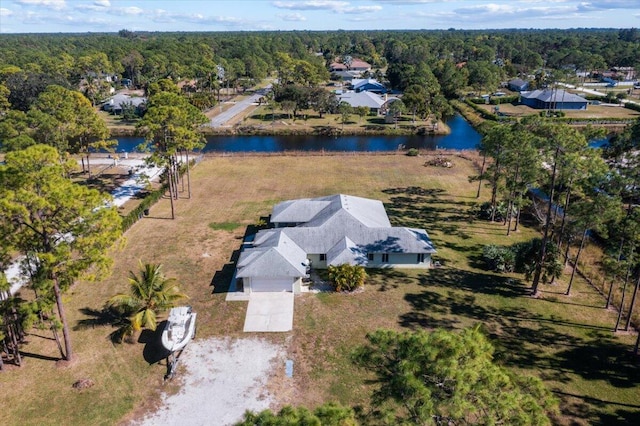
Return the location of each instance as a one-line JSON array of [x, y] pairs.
[[553, 99], [376, 103], [319, 232], [368, 85], [116, 103]]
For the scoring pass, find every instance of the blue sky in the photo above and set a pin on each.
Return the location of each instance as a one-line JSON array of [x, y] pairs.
[[31, 16]]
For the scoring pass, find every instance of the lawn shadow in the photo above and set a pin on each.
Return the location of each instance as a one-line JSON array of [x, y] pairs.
[[518, 332], [153, 351], [25, 354], [386, 279], [415, 207], [474, 281], [222, 278], [584, 407], [102, 318], [601, 358]]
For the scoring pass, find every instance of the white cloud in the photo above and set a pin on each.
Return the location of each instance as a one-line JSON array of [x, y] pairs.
[[5, 12], [506, 11], [96, 6], [122, 11], [295, 17], [608, 5], [327, 5], [360, 9], [49, 4], [311, 5], [409, 2]]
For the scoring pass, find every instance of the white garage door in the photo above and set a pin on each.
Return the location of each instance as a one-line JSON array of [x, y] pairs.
[[272, 284]]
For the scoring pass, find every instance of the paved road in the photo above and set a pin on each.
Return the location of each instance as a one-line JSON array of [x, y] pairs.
[[221, 119]]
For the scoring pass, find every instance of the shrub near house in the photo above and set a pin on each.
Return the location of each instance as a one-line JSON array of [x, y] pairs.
[[347, 277]]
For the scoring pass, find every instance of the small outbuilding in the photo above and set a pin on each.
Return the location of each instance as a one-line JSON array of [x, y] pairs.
[[518, 85]]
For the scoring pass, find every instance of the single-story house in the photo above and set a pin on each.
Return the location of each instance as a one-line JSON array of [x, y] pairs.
[[518, 85], [553, 99], [358, 65], [377, 104], [337, 66], [324, 231], [355, 65], [115, 103], [346, 75], [368, 85]]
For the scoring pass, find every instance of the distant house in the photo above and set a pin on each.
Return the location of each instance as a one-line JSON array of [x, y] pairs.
[[346, 75], [553, 99], [377, 104], [368, 85], [337, 66], [518, 85], [325, 231], [115, 104], [358, 65], [355, 65]]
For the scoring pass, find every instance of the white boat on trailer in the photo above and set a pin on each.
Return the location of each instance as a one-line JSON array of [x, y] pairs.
[[180, 328]]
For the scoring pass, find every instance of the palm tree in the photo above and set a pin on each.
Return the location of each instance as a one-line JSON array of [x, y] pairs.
[[150, 293]]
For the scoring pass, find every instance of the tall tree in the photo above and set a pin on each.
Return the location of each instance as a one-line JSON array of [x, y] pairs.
[[345, 110], [416, 98], [396, 109], [593, 213], [66, 228], [171, 125], [445, 377], [66, 120], [561, 140]]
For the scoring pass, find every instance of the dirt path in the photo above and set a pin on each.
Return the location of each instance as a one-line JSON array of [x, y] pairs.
[[221, 379]]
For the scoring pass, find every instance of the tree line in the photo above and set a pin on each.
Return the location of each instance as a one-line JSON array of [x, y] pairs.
[[576, 192]]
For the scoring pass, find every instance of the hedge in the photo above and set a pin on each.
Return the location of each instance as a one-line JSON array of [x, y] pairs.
[[497, 100], [483, 113], [148, 201], [633, 106]]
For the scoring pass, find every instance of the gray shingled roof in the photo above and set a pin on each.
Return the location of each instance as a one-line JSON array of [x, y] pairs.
[[346, 251], [315, 211], [297, 211], [281, 258], [343, 227], [548, 95]]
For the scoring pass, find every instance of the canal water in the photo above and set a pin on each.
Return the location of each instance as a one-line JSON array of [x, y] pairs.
[[462, 136]]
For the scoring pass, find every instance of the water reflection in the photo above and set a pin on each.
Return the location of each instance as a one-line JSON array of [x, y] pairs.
[[462, 136]]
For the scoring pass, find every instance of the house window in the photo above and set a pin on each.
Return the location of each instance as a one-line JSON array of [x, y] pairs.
[[420, 257], [385, 257], [370, 256], [323, 257]]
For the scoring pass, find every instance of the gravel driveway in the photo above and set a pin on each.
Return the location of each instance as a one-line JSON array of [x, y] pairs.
[[221, 379]]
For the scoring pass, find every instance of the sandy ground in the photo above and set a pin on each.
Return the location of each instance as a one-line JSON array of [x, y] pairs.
[[221, 379]]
